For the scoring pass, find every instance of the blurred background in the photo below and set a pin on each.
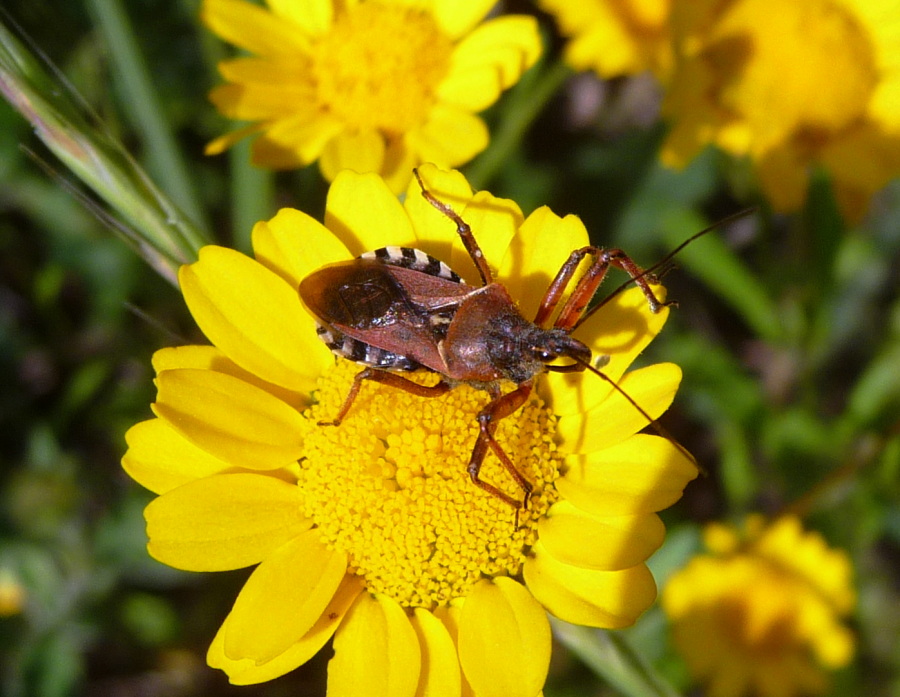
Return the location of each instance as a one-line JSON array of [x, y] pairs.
[[788, 333]]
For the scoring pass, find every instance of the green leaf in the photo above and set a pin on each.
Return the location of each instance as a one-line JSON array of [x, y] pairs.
[[610, 656]]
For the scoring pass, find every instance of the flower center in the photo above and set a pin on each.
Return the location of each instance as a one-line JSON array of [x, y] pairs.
[[379, 65], [765, 622], [389, 486], [816, 86]]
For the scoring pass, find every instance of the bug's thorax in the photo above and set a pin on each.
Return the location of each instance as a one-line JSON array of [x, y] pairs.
[[490, 340]]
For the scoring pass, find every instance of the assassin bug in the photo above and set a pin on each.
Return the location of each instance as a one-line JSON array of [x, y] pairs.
[[399, 309]]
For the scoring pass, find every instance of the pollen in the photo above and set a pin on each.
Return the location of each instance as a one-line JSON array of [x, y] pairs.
[[389, 486], [378, 68]]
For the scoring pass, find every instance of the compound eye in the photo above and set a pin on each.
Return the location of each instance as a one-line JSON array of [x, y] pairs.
[[544, 355]]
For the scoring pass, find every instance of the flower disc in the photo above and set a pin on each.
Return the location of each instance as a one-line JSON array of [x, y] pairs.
[[388, 486]]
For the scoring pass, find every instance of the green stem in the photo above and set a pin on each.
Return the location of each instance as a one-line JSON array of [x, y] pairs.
[[252, 191], [610, 656], [523, 105], [152, 223]]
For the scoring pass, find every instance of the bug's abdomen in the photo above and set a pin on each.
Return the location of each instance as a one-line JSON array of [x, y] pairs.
[[414, 259], [363, 353]]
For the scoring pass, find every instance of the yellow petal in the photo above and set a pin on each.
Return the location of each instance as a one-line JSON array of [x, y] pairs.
[[268, 71], [363, 213], [313, 17], [263, 102], [267, 154], [376, 651], [504, 640], [231, 419], [160, 459], [253, 317], [652, 389], [399, 160], [440, 675], [494, 222], [457, 18], [500, 50], [435, 232], [211, 358], [219, 145], [222, 522], [451, 136], [610, 599], [604, 543], [618, 53], [283, 598], [361, 152], [642, 474], [536, 254], [449, 617], [246, 671], [253, 28], [174, 357], [620, 330], [471, 88], [307, 135], [294, 244]]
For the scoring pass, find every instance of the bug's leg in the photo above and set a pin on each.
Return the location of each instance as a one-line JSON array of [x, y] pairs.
[[499, 408], [385, 378], [558, 286], [463, 229], [587, 286]]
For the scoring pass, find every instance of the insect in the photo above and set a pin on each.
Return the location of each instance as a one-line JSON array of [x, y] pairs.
[[399, 309]]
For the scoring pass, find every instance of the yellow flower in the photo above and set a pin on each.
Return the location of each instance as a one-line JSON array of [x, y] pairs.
[[371, 531], [377, 86], [761, 615], [815, 84], [614, 37], [12, 593]]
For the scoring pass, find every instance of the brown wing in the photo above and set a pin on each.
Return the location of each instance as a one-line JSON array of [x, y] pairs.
[[392, 308]]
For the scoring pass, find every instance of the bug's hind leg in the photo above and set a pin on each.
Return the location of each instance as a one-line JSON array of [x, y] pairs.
[[385, 378]]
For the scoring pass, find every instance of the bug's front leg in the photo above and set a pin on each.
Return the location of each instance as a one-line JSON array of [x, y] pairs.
[[462, 229], [499, 408], [572, 312], [385, 378]]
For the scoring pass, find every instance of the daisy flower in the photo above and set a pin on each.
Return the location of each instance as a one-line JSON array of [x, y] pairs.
[[815, 84], [371, 532], [614, 37], [374, 86], [762, 614]]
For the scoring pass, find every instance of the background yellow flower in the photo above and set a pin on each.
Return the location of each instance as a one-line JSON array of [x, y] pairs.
[[763, 614], [377, 86], [615, 37], [816, 84]]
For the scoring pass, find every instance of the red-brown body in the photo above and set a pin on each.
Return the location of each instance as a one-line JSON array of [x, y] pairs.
[[398, 309]]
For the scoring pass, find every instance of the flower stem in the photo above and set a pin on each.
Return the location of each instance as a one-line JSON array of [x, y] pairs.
[[611, 657], [523, 105], [252, 192]]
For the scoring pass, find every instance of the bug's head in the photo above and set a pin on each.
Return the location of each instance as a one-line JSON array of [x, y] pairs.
[[551, 344]]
